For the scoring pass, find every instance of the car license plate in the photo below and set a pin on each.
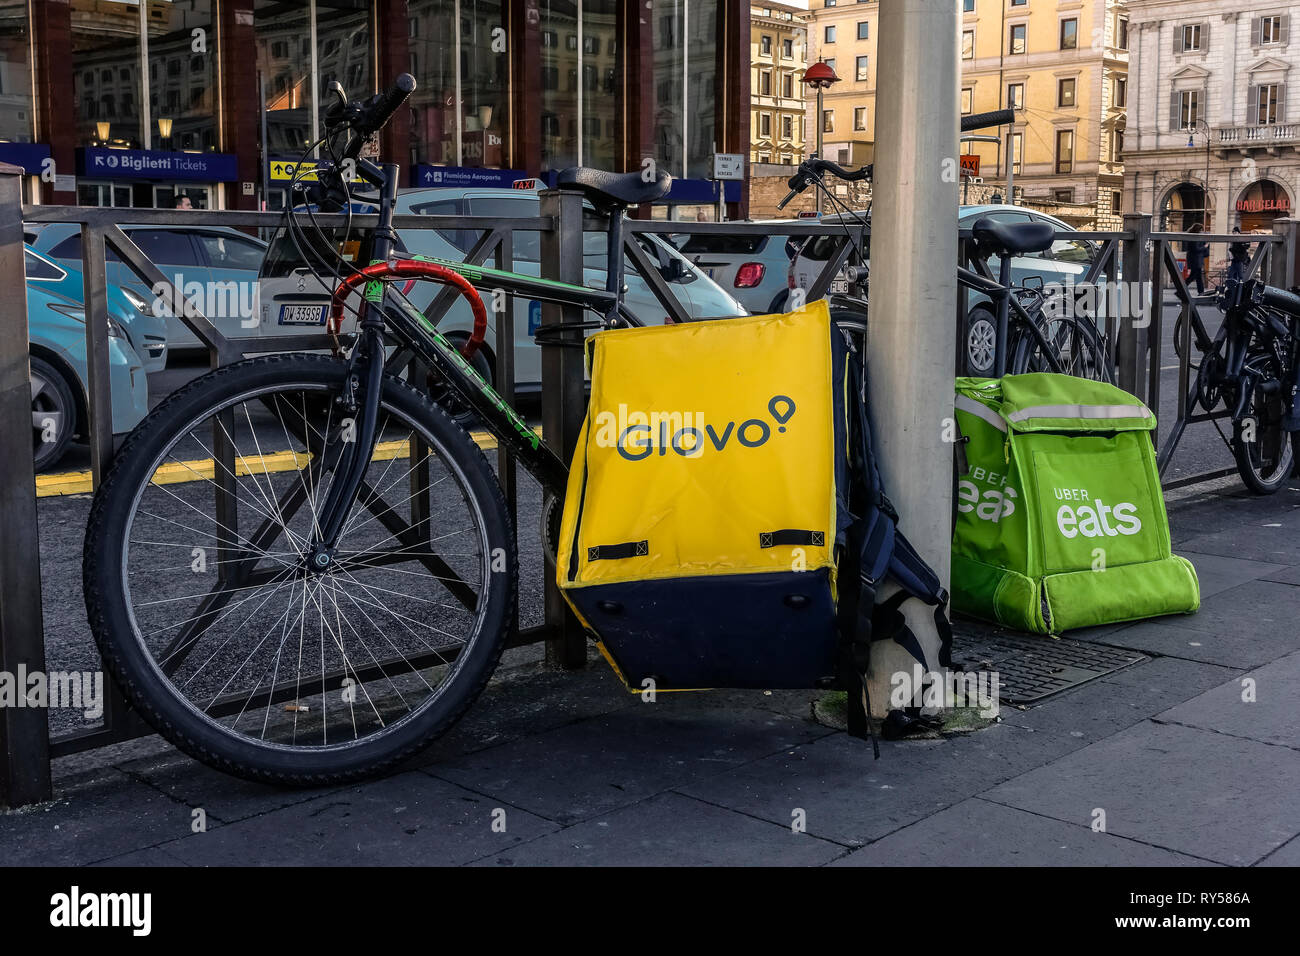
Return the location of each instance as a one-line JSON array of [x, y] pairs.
[[839, 287], [708, 272], [302, 314]]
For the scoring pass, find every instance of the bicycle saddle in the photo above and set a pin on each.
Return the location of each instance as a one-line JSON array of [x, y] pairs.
[[1012, 238], [614, 189]]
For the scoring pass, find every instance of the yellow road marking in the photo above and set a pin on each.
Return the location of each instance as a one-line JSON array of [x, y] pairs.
[[200, 469]]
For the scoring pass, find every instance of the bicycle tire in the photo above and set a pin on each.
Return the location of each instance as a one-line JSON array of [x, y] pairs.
[[1263, 472], [106, 570], [1088, 358]]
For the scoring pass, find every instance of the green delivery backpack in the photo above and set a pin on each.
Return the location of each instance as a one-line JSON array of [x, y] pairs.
[[1060, 518]]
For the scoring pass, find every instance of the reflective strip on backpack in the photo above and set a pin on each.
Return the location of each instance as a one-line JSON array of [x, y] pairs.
[[1081, 411], [980, 411]]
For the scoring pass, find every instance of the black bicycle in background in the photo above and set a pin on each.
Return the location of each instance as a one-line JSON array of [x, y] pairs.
[[1251, 367], [1035, 331]]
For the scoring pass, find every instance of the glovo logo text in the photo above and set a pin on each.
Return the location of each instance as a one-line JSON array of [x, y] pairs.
[[639, 435]]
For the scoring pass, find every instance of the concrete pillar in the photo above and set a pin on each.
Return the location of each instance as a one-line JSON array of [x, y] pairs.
[[914, 292]]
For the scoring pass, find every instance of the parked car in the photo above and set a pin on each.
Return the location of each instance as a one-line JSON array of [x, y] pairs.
[[753, 268], [146, 331], [291, 295], [1067, 261], [224, 262], [59, 372]]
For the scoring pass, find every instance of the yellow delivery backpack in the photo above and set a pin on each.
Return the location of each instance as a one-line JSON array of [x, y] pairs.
[[723, 524]]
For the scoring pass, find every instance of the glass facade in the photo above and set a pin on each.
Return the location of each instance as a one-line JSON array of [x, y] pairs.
[[283, 40], [182, 75], [460, 111], [16, 119], [106, 63]]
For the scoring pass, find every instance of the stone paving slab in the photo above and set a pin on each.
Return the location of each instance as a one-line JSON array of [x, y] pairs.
[[99, 815], [978, 833], [586, 769], [1272, 718], [1121, 699], [1216, 572], [671, 830], [1200, 793], [1288, 855], [852, 799], [406, 819], [1271, 538]]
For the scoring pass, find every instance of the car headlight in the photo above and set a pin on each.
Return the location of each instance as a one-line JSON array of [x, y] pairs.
[[115, 331], [136, 299]]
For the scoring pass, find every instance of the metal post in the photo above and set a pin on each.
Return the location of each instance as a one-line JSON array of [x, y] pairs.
[[564, 399], [1285, 269], [24, 731], [1130, 345], [821, 123], [912, 342], [1011, 165]]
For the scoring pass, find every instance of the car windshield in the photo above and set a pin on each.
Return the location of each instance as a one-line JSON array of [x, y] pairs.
[[323, 247], [725, 245]]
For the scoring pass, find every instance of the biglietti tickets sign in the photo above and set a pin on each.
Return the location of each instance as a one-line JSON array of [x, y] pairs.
[[100, 162]]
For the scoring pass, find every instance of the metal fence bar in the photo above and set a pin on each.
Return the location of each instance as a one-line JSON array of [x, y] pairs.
[[563, 392], [1130, 343]]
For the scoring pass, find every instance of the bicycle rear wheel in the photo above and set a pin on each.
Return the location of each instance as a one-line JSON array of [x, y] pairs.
[[207, 612], [1263, 449], [1074, 342]]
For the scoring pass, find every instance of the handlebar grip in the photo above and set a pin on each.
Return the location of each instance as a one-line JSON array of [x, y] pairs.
[[784, 202], [388, 102], [1279, 299], [982, 120]]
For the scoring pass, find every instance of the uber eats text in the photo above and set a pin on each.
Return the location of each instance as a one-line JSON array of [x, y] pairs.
[[637, 435]]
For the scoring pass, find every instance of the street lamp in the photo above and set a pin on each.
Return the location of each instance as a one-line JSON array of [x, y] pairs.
[[820, 76], [1203, 128], [165, 129], [102, 130]]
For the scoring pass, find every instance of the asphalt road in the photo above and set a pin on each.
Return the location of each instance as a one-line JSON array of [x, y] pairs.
[[62, 519]]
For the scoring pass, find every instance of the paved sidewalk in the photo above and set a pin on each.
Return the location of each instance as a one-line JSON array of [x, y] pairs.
[[567, 768]]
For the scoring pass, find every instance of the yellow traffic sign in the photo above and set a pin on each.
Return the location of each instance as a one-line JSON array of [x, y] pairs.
[[285, 170]]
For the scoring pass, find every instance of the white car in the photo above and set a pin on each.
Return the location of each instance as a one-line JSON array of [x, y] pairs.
[[291, 296], [1065, 263], [753, 268]]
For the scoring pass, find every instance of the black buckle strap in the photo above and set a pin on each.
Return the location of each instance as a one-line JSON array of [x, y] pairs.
[[613, 552], [791, 536]]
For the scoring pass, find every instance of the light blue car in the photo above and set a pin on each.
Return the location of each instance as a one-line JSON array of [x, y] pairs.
[[146, 331], [59, 373], [215, 265]]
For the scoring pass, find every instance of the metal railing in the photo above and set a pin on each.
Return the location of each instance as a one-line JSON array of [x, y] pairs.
[[26, 746]]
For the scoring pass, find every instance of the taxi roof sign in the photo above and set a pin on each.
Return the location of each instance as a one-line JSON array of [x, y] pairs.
[[525, 184]]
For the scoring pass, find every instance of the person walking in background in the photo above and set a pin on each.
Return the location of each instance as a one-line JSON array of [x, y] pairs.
[[1238, 257], [1196, 251], [184, 203]]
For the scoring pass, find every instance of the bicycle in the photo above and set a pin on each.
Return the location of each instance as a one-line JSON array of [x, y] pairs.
[[1038, 334], [1252, 367], [250, 577]]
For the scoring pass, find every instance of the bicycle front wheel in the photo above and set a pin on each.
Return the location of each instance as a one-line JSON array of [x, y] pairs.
[[1073, 342], [237, 648]]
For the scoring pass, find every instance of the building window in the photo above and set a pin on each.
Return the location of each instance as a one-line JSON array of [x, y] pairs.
[[1017, 44], [765, 83], [765, 45], [1019, 3], [1070, 34], [764, 124], [1065, 94], [864, 29], [829, 34], [1270, 29], [860, 70], [1267, 101], [967, 100], [1121, 28], [787, 127], [831, 64], [787, 49], [1188, 103], [1063, 195], [764, 158], [1116, 203], [1064, 150], [1117, 146], [1015, 96], [828, 121], [967, 6], [1191, 37], [1120, 97], [859, 117], [1018, 151], [787, 85], [968, 44]]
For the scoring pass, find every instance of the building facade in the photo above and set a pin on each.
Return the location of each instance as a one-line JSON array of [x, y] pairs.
[[778, 53], [1213, 135], [1062, 63], [135, 102]]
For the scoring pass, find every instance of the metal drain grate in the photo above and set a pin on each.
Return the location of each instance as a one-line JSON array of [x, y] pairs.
[[1032, 667]]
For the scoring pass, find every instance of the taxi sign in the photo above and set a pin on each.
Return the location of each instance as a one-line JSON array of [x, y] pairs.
[[970, 166]]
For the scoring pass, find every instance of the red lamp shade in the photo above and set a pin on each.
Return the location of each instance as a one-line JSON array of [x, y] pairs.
[[820, 75]]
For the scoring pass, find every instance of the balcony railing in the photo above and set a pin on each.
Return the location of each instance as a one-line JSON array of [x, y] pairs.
[[1267, 135]]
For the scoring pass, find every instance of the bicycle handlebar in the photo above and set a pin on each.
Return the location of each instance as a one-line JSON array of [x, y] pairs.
[[992, 118], [1274, 298]]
